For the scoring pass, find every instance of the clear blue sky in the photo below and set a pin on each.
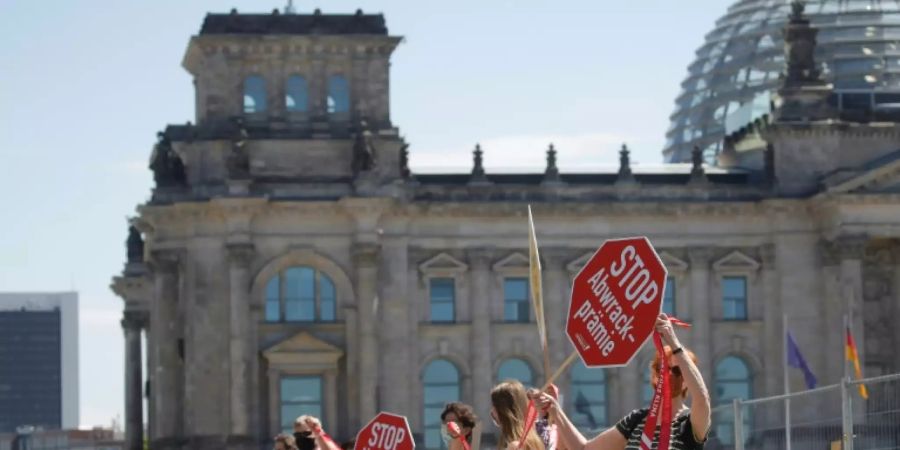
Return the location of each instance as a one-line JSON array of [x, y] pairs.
[[85, 85]]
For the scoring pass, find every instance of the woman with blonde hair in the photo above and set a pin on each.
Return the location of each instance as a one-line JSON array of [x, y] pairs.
[[508, 405]]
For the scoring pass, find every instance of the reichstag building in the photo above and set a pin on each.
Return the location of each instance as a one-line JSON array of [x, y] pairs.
[[288, 260]]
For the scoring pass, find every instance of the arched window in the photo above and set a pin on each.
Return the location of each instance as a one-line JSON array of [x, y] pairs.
[[300, 294], [254, 94], [296, 97], [338, 94], [440, 382], [515, 369], [587, 400], [732, 381]]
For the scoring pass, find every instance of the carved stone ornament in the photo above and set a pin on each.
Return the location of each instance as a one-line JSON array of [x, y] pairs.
[[238, 161], [135, 245], [363, 150], [167, 167]]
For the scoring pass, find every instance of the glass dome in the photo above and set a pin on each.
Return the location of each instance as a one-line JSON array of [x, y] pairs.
[[729, 83]]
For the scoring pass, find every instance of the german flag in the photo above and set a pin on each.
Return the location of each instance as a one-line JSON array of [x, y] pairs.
[[853, 356]]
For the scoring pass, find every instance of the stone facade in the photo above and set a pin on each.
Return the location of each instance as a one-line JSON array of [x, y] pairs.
[[815, 237]]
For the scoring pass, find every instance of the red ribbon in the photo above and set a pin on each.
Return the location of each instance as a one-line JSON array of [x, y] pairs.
[[530, 418], [661, 395], [452, 426]]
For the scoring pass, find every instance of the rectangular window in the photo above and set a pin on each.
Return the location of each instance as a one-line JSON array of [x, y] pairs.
[[300, 395], [299, 294], [443, 299], [668, 306], [734, 298], [515, 300]]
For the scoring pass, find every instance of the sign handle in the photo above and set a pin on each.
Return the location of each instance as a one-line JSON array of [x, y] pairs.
[[537, 290], [562, 368]]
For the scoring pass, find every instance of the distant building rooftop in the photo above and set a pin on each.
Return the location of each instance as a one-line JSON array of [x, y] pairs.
[[299, 24]]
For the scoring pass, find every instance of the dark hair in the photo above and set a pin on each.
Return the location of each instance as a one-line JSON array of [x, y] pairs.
[[287, 440], [349, 445], [463, 412]]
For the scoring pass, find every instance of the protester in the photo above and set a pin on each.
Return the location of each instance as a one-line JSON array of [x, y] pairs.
[[509, 403], [465, 419], [309, 436], [689, 425], [285, 442], [545, 427]]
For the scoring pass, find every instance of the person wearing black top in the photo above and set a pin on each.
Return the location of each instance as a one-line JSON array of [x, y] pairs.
[[689, 425]]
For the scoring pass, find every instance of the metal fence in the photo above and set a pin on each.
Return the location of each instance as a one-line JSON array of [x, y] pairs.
[[832, 417]]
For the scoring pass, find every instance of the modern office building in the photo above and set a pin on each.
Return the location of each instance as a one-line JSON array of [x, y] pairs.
[[38, 360]]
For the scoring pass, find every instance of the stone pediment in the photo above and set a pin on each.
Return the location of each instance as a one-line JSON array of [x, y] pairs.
[[673, 263], [736, 261], [879, 175], [514, 262], [303, 349], [443, 263], [576, 265]]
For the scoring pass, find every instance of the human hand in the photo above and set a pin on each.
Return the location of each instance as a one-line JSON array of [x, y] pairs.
[[313, 424], [547, 402], [453, 430], [667, 331]]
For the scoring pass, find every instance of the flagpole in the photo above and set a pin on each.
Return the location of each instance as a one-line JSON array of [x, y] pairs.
[[787, 386], [846, 360]]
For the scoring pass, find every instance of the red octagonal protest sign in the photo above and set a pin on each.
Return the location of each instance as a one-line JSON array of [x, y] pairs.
[[385, 432], [615, 301]]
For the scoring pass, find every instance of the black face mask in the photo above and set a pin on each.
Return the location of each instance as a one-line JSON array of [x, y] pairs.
[[305, 440]]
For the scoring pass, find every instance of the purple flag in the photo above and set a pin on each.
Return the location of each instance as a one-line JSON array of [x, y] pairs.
[[795, 359]]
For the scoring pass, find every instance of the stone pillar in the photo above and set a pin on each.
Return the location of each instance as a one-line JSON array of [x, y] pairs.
[[480, 338], [832, 330], [556, 304], [852, 249], [394, 330], [239, 257], [132, 324], [167, 412], [365, 257], [701, 329], [351, 396], [772, 338]]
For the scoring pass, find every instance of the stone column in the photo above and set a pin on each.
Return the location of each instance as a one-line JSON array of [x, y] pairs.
[[365, 257], [480, 338], [351, 396], [394, 330], [556, 304], [852, 249], [239, 257], [772, 338], [164, 311], [699, 276], [832, 329], [132, 324]]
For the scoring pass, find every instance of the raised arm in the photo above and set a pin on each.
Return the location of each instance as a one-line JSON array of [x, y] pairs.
[[693, 380], [571, 438]]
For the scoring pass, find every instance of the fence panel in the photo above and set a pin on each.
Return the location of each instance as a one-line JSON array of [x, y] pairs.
[[876, 421]]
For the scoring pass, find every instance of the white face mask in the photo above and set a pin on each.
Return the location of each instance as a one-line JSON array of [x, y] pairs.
[[445, 435]]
